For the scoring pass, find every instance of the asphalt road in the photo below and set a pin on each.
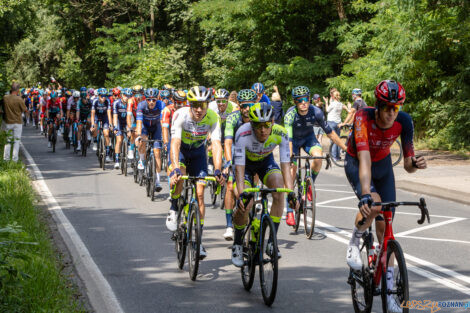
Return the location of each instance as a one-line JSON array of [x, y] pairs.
[[126, 236]]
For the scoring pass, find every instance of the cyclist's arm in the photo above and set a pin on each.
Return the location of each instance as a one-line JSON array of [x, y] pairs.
[[349, 118], [139, 120], [333, 136], [228, 149], [288, 120], [110, 117], [138, 128], [286, 175], [365, 164], [129, 115], [93, 116], [240, 178], [175, 152]]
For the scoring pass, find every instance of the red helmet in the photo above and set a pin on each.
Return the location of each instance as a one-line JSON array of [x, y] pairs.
[[391, 92], [116, 92]]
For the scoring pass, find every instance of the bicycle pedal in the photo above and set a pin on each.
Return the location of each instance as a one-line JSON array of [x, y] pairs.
[[173, 236]]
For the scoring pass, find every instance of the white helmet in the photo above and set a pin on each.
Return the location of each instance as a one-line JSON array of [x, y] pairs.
[[76, 94]]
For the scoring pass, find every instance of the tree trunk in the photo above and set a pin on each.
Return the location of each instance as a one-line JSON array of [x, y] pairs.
[[340, 9], [143, 32], [152, 23]]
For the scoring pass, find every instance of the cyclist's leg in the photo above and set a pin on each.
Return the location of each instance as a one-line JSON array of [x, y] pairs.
[[157, 148], [296, 144], [313, 148], [175, 193], [272, 178], [240, 219], [197, 166]]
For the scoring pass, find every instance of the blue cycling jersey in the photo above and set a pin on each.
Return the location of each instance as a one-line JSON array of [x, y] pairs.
[[101, 108], [120, 109], [149, 117], [301, 126], [265, 98]]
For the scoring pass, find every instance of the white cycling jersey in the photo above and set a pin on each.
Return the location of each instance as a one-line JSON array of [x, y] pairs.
[[247, 146]]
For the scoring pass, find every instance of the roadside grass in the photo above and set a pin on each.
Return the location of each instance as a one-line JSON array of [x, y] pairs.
[[30, 267], [430, 144]]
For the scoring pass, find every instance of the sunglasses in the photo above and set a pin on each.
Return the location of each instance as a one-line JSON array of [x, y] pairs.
[[221, 101], [300, 100], [152, 99], [388, 108], [247, 105], [179, 103], [199, 105], [259, 125]]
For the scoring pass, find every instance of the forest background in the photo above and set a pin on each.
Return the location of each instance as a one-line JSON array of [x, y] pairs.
[[424, 44]]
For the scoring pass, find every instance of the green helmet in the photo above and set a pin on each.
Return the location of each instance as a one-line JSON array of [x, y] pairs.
[[247, 95], [261, 112], [300, 91]]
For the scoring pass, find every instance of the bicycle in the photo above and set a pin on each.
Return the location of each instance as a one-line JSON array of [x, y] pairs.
[[65, 134], [164, 157], [124, 158], [396, 150], [188, 234], [84, 139], [306, 194], [75, 136], [53, 137], [101, 151], [371, 280], [260, 246], [150, 167]]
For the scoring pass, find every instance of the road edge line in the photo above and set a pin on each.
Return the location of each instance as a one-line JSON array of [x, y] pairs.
[[99, 292]]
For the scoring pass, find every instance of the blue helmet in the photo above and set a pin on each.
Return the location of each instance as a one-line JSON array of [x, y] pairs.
[[151, 92], [165, 93], [357, 91], [258, 87], [127, 92], [82, 89], [102, 92]]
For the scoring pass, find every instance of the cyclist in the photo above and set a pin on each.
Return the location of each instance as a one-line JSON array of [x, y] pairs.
[[71, 115], [54, 107], [43, 107], [34, 105], [132, 103], [165, 97], [148, 123], [101, 111], [246, 98], [189, 130], [368, 164], [120, 122], [179, 98], [357, 105], [299, 121], [83, 115], [260, 91], [254, 145]]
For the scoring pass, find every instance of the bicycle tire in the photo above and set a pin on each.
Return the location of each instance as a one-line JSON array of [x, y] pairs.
[[362, 282], [248, 269], [340, 162], [54, 138], [154, 178], [298, 212], [223, 190], [401, 280], [135, 171], [194, 241], [213, 188], [309, 208], [396, 151], [181, 236], [268, 263], [102, 152], [84, 140], [124, 148]]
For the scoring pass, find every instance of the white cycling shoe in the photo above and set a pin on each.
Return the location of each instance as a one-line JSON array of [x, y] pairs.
[[116, 165], [237, 255], [202, 252], [228, 235], [171, 221], [353, 258], [130, 154], [95, 146]]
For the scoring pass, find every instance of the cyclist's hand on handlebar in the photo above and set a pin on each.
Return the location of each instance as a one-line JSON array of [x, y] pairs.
[[364, 205], [242, 201], [419, 162], [292, 199], [219, 177], [175, 176]]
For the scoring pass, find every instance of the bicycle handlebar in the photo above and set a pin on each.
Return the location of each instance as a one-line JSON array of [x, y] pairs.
[[267, 190], [387, 206], [309, 157], [207, 178]]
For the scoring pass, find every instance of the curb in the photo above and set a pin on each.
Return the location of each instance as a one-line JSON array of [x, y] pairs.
[[434, 191]]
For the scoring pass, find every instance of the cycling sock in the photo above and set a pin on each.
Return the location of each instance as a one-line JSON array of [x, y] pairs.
[[141, 157], [117, 157], [314, 176], [107, 150], [158, 178], [228, 217], [289, 210], [174, 205], [276, 220], [356, 237], [237, 239]]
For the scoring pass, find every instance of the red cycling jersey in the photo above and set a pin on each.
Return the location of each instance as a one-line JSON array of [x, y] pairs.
[[367, 136], [167, 115]]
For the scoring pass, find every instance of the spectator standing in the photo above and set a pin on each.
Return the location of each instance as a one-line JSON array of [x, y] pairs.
[[233, 98], [276, 103], [14, 106], [357, 105], [334, 108], [316, 127]]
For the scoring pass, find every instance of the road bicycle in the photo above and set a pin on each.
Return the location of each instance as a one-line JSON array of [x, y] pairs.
[[150, 168], [53, 136], [64, 125], [75, 136], [84, 139], [306, 193], [101, 151], [164, 157], [124, 149], [260, 246], [396, 150], [187, 236], [371, 280]]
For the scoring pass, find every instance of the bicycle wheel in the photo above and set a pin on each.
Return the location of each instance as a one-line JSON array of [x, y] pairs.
[[223, 190], [102, 153], [124, 148], [396, 152], [361, 281], [342, 154], [194, 240], [268, 262], [248, 268], [309, 207], [400, 293], [136, 171], [154, 178], [298, 212], [66, 137], [84, 140], [180, 236], [212, 190], [54, 138], [148, 176]]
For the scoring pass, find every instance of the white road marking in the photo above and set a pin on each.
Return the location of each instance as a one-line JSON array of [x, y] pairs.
[[330, 190], [99, 291], [435, 239], [439, 279], [335, 200], [415, 230]]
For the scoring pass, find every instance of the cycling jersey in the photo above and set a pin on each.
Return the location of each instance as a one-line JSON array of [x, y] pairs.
[[223, 116], [167, 115], [72, 104], [367, 136], [301, 126], [232, 124], [248, 147], [265, 98], [101, 108], [132, 106], [120, 108], [193, 134], [54, 105], [84, 107], [149, 117]]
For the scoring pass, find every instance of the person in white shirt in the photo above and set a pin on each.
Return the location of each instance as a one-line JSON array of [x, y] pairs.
[[334, 108]]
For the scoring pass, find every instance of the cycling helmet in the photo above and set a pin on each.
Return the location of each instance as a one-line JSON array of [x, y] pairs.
[[247, 95], [258, 87], [300, 91], [179, 95], [221, 94], [390, 92], [95, 92], [91, 92], [151, 92], [138, 89], [199, 93], [261, 112], [82, 89], [83, 94], [357, 91], [69, 93], [127, 92], [53, 94], [102, 92], [116, 92], [59, 93], [164, 93], [76, 94]]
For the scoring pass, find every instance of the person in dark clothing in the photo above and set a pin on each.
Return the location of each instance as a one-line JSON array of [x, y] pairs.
[[276, 103]]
